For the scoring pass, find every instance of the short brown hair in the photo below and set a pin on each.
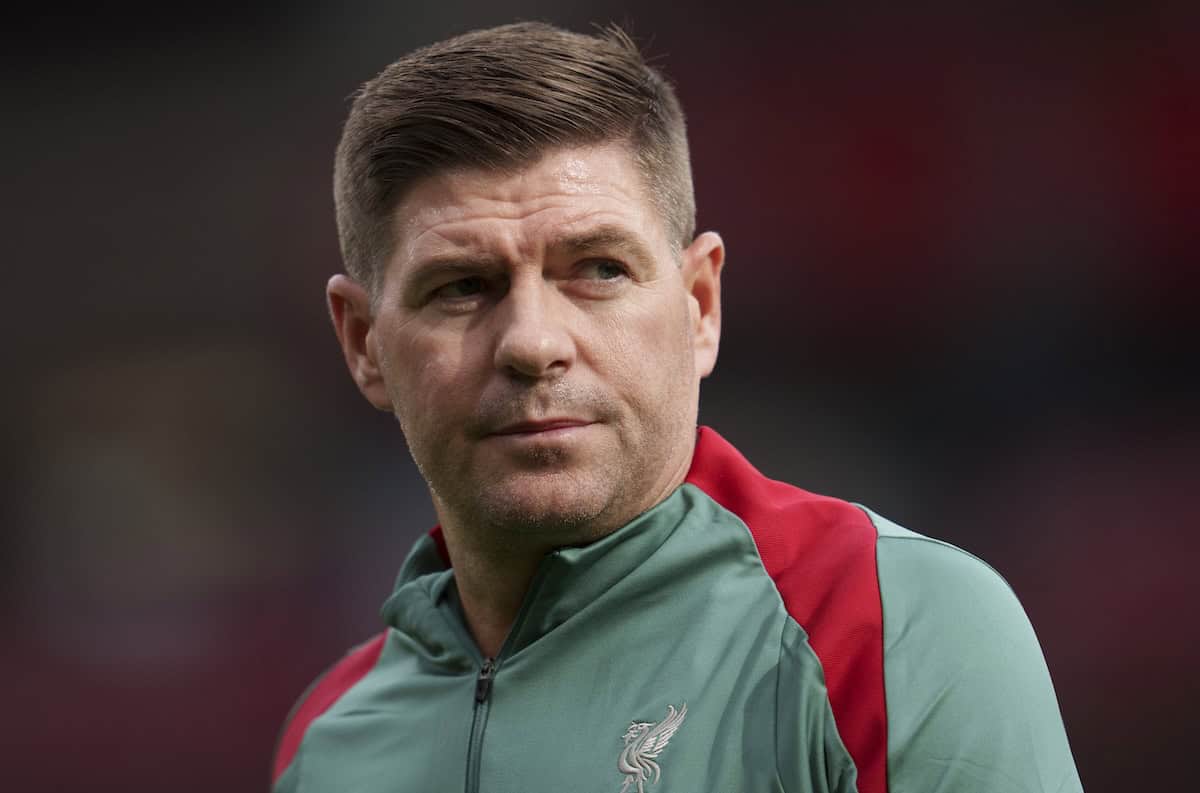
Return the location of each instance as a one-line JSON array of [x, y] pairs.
[[499, 99]]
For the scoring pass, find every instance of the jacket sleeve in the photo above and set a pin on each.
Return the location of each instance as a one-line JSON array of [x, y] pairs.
[[970, 705]]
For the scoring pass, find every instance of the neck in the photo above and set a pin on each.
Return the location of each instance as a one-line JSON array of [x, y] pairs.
[[491, 588]]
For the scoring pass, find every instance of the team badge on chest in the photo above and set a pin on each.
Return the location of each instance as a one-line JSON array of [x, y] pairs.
[[644, 742]]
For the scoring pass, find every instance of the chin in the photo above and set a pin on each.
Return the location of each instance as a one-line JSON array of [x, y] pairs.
[[560, 506]]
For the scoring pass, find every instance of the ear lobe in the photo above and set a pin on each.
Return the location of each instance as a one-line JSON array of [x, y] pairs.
[[350, 310], [702, 263]]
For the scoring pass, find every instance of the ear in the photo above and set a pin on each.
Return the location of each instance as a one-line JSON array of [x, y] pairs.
[[350, 310], [701, 268]]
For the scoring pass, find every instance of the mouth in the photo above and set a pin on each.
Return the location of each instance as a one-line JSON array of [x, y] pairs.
[[542, 427]]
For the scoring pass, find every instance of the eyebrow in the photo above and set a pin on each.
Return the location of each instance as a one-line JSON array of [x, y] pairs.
[[607, 237], [448, 266]]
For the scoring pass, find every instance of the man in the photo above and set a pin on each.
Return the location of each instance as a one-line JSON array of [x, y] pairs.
[[615, 600]]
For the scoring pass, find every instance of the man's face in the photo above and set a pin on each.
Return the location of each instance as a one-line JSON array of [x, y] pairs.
[[541, 343]]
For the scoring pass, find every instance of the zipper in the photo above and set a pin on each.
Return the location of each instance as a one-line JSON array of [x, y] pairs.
[[483, 684], [483, 692], [487, 674]]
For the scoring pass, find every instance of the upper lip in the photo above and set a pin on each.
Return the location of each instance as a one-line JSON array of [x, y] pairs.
[[540, 425]]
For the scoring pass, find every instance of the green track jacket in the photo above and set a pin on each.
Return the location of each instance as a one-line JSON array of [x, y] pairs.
[[743, 636]]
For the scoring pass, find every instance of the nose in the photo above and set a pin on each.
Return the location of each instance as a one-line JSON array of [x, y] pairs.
[[533, 338]]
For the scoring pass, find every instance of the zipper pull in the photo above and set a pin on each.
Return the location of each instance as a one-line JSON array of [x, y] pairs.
[[483, 684]]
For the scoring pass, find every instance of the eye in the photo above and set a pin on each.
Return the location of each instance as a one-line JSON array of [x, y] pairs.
[[602, 269], [461, 288]]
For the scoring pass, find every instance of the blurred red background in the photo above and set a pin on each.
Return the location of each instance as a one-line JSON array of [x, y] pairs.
[[962, 289]]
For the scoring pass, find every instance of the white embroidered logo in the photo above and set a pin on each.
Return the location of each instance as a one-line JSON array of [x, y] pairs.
[[644, 742]]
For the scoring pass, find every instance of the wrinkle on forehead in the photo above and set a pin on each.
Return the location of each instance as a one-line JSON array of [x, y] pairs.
[[467, 208]]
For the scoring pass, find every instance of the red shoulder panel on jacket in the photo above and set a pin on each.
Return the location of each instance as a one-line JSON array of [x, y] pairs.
[[820, 552], [328, 690]]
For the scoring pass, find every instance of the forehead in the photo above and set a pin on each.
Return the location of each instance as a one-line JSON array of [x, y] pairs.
[[569, 190]]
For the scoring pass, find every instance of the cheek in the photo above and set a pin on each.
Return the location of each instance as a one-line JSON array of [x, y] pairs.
[[649, 355], [426, 382]]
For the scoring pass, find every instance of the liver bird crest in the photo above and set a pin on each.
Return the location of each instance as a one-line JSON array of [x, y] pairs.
[[644, 742]]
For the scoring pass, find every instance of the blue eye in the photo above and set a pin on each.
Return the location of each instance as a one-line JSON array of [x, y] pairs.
[[603, 269]]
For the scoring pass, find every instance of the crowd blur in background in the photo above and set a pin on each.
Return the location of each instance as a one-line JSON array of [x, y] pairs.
[[961, 288]]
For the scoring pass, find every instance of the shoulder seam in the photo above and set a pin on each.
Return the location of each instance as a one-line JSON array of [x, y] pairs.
[[920, 538], [955, 551]]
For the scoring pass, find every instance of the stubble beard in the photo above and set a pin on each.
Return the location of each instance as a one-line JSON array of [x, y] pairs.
[[573, 504], [552, 498], [553, 502]]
